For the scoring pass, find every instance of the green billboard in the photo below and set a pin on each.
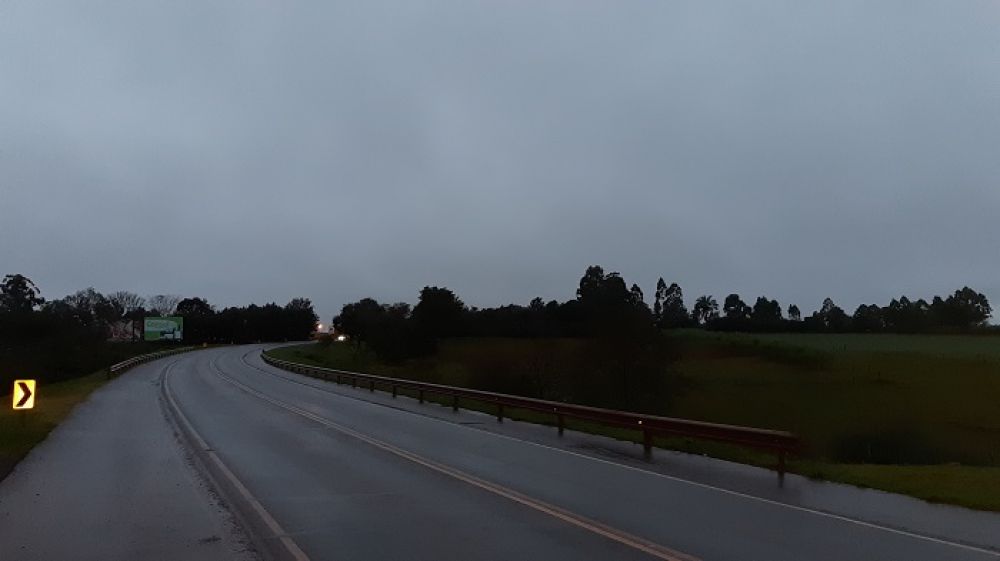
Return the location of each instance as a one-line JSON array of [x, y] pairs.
[[163, 329]]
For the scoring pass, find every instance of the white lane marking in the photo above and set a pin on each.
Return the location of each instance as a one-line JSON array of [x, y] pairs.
[[609, 532], [291, 547], [838, 517]]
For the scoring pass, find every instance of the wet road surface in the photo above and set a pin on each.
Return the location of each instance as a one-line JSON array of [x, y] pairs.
[[320, 471]]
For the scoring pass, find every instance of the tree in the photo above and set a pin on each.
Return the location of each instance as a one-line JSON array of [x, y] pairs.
[[589, 291], [163, 304], [766, 313], [356, 319], [439, 312], [793, 313], [86, 307], [705, 310], [190, 307], [604, 305], [299, 319], [674, 312], [735, 309], [599, 292], [635, 296], [831, 317], [968, 308], [868, 319], [661, 294], [904, 316], [19, 294], [125, 302]]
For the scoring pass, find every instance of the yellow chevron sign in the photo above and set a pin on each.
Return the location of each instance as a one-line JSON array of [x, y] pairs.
[[24, 394]]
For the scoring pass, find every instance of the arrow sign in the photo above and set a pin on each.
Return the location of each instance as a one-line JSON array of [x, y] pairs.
[[24, 394]]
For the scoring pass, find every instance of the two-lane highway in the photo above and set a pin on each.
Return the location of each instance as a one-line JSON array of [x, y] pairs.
[[316, 473]]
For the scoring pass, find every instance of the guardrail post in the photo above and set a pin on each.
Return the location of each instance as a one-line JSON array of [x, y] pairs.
[[371, 386], [394, 390], [562, 423], [338, 379], [354, 381], [647, 444], [781, 465], [454, 403], [500, 412], [421, 394]]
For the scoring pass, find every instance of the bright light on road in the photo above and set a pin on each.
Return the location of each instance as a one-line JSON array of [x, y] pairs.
[[342, 338], [319, 327]]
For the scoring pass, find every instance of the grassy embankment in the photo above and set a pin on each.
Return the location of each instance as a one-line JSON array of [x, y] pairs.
[[913, 414], [20, 431]]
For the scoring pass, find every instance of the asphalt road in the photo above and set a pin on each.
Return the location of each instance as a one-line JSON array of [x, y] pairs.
[[318, 471]]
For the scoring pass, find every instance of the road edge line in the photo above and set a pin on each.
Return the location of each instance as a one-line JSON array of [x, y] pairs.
[[638, 543], [269, 538], [970, 546]]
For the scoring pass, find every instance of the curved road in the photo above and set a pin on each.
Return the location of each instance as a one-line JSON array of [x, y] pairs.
[[318, 471]]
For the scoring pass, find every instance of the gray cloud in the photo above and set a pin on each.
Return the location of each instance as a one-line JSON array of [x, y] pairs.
[[259, 151]]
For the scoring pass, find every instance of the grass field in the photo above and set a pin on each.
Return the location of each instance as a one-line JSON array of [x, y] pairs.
[[20, 431], [915, 414]]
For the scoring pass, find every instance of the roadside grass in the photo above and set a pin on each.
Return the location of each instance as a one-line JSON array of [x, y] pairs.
[[976, 487], [918, 415], [20, 431]]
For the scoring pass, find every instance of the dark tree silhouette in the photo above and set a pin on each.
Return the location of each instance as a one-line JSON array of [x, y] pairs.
[[868, 319], [794, 314], [126, 303], [661, 295], [675, 313], [830, 317], [735, 309], [766, 314], [439, 312], [189, 307], [19, 294], [163, 304], [705, 309]]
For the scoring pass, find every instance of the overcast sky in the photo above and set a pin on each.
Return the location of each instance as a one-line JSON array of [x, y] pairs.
[[257, 151]]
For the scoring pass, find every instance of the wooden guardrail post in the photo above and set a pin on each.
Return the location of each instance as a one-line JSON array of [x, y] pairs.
[[779, 442], [647, 444]]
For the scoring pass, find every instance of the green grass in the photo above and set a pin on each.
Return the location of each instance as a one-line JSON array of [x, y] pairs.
[[912, 414], [20, 431], [930, 400]]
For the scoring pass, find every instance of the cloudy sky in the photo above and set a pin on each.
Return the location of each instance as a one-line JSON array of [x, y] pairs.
[[256, 151]]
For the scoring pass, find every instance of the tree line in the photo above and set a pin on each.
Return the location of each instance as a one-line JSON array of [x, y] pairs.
[[622, 364], [962, 311], [69, 336], [606, 306]]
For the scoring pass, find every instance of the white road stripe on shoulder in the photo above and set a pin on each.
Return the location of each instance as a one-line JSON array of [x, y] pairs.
[[747, 496]]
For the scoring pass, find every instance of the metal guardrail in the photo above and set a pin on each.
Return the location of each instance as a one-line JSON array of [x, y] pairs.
[[779, 442], [124, 365]]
